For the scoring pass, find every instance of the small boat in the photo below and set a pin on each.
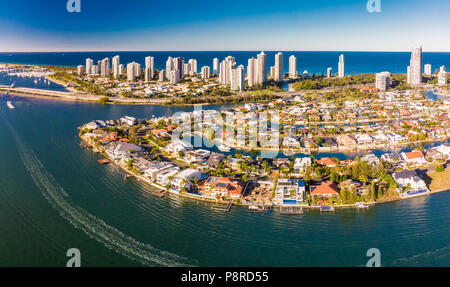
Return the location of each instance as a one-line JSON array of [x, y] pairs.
[[362, 205], [326, 208], [10, 105], [223, 148], [259, 209]]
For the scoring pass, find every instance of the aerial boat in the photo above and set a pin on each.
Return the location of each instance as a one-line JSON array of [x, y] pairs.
[[224, 148], [10, 105]]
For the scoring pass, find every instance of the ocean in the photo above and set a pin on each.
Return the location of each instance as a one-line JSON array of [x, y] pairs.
[[313, 62]]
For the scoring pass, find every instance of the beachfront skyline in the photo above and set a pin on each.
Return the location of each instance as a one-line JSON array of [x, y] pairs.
[[252, 25]]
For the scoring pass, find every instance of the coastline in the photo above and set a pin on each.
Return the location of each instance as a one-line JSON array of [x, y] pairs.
[[199, 198]]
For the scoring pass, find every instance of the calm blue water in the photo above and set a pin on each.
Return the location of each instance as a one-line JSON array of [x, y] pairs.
[[30, 82], [313, 62], [55, 196]]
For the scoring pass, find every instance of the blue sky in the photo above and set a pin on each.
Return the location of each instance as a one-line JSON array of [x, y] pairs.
[[323, 25]]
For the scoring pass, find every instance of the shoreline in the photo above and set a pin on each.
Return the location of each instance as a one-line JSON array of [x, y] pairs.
[[202, 199]]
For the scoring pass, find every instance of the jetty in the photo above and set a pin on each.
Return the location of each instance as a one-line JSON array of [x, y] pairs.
[[291, 210], [221, 207]]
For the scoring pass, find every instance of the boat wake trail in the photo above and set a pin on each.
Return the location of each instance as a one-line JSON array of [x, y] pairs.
[[422, 258], [94, 227]]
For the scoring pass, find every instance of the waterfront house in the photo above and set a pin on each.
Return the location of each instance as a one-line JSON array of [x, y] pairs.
[[129, 121], [184, 178], [327, 161], [395, 138], [363, 140], [179, 146], [291, 142], [220, 187], [346, 142], [157, 167], [410, 182], [215, 159], [391, 157], [371, 159], [325, 190], [301, 163], [444, 149], [198, 155], [122, 150], [165, 178], [414, 158], [352, 186], [289, 192], [142, 164]]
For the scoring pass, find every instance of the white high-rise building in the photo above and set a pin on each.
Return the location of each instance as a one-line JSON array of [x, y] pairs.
[[442, 78], [95, 70], [115, 67], [215, 66], [89, 64], [292, 67], [329, 72], [341, 67], [252, 68], [169, 67], [105, 64], [121, 69], [238, 79], [131, 72], [161, 77], [206, 72], [174, 76], [262, 68], [80, 70], [137, 69], [193, 67], [415, 67], [382, 80], [187, 68], [148, 74], [427, 69], [178, 64], [442, 69], [150, 63], [278, 73], [225, 70]]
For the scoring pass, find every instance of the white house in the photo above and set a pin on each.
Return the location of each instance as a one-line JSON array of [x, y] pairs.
[[157, 167], [289, 192], [165, 178], [409, 180], [129, 121], [183, 179], [301, 163], [122, 150], [444, 149], [178, 145], [413, 158]]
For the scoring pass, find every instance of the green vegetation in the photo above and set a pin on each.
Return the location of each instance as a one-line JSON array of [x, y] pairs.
[[322, 82]]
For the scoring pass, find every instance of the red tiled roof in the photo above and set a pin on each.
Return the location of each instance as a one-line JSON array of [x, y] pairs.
[[326, 188]]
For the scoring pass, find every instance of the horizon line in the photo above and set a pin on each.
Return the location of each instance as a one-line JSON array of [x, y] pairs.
[[132, 51]]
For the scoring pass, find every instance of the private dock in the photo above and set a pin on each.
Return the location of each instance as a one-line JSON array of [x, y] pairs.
[[221, 207], [104, 161], [291, 210]]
